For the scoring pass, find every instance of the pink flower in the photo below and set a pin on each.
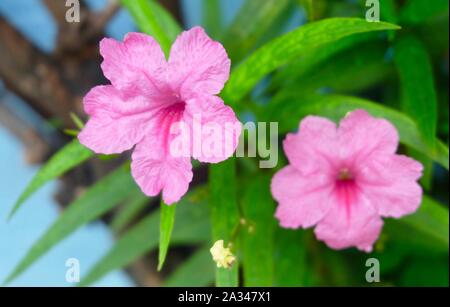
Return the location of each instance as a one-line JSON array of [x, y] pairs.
[[148, 95], [344, 179]]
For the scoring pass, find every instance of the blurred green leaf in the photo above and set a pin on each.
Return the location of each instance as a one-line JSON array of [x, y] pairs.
[[290, 258], [154, 20], [290, 108], [417, 11], [289, 46], [192, 227], [252, 22], [427, 227], [64, 160], [311, 59], [129, 210], [96, 201], [349, 71], [77, 121], [388, 10], [224, 214], [258, 234], [426, 272], [419, 97], [212, 19], [165, 231], [197, 271], [308, 6]]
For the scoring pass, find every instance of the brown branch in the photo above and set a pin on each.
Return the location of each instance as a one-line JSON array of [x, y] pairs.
[[36, 147], [73, 37], [31, 74], [174, 7]]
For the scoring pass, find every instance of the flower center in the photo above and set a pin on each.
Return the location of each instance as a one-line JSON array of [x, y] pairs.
[[176, 108], [345, 175]]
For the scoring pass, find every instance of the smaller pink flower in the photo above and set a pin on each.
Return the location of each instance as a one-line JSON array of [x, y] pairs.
[[344, 179], [148, 96]]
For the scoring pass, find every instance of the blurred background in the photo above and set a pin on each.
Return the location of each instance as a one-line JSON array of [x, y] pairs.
[[47, 65]]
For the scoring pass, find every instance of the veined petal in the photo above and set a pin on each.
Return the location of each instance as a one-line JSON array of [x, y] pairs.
[[302, 201], [390, 183], [197, 64], [361, 136], [137, 65], [155, 171], [350, 222], [314, 148], [115, 125], [215, 130]]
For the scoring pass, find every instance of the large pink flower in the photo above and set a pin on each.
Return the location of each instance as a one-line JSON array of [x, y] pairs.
[[344, 179], [148, 95]]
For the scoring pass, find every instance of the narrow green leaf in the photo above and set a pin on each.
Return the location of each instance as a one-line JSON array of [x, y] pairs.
[[311, 59], [224, 214], [288, 109], [388, 10], [192, 227], [428, 227], [290, 258], [417, 11], [416, 75], [154, 20], [258, 234], [77, 121], [252, 22], [358, 69], [308, 6], [197, 271], [96, 201], [165, 231], [212, 18], [287, 47], [64, 160], [129, 210]]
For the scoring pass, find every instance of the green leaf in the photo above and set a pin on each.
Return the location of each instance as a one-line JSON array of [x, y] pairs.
[[224, 214], [165, 231], [311, 59], [192, 227], [428, 227], [257, 235], [64, 160], [416, 76], [290, 258], [288, 109], [358, 69], [251, 24], [154, 20], [289, 46], [212, 18], [96, 201], [129, 210], [197, 271], [308, 6], [417, 11]]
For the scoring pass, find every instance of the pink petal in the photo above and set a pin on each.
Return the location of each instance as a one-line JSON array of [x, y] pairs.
[[314, 148], [390, 183], [155, 171], [362, 136], [351, 221], [115, 125], [302, 201], [212, 115], [198, 64], [137, 65]]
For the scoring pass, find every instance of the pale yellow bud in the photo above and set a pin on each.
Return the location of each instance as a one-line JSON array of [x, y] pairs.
[[221, 255]]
